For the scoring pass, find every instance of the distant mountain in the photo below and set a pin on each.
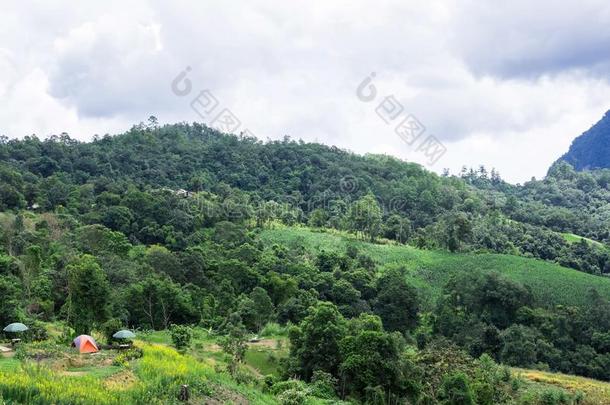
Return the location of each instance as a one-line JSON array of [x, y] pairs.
[[591, 150]]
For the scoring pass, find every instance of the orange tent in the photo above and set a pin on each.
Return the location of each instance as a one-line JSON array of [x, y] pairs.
[[85, 344]]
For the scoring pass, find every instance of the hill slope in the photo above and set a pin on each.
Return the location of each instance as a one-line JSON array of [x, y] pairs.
[[591, 150], [429, 270]]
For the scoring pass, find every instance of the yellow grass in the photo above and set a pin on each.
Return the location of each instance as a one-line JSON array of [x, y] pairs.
[[596, 392]]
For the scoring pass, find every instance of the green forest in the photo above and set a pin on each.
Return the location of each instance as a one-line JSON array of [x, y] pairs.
[[381, 282]]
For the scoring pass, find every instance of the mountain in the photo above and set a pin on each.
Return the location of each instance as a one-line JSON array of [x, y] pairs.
[[591, 150], [369, 279]]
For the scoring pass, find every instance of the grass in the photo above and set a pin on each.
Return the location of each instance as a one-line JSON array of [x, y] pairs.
[[259, 359], [265, 360], [156, 336], [153, 379], [429, 270], [572, 238], [156, 378], [9, 364], [596, 392], [94, 371]]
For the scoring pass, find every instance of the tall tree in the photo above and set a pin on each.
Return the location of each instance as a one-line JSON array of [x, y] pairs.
[[397, 303], [88, 294], [315, 345], [365, 216]]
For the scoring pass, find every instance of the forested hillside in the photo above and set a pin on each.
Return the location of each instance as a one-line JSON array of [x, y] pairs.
[[591, 150], [393, 283], [120, 182]]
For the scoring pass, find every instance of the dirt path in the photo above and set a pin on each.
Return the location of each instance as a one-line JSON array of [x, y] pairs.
[[269, 343]]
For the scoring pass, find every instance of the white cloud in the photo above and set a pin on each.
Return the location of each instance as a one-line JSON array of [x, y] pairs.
[[499, 85]]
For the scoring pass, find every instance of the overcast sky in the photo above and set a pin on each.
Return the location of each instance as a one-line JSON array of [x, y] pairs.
[[505, 84]]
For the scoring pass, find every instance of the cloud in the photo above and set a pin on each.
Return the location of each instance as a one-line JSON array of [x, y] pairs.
[[483, 79], [528, 39]]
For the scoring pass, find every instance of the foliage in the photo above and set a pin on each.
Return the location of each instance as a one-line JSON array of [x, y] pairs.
[[181, 336], [100, 235], [88, 293], [110, 327], [590, 150], [124, 357]]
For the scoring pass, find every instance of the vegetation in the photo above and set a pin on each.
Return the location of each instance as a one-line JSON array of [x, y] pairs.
[[591, 149], [407, 286]]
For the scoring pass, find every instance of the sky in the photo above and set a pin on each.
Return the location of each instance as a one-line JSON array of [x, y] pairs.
[[505, 84]]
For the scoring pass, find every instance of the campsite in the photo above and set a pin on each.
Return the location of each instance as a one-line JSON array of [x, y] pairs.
[[399, 202], [151, 370], [90, 369]]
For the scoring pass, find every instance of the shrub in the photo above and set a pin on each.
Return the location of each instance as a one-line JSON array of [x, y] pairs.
[[181, 336], [273, 329], [65, 336], [110, 327], [553, 396], [123, 358], [293, 396], [455, 390], [36, 332], [323, 385], [283, 386]]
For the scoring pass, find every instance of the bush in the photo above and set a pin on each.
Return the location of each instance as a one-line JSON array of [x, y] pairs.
[[181, 336], [36, 332], [293, 396], [123, 358], [110, 327], [455, 390], [323, 385], [553, 396], [273, 329], [66, 335], [287, 385]]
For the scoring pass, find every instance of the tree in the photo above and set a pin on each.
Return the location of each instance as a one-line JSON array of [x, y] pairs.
[[164, 261], [398, 228], [181, 336], [156, 302], [315, 344], [397, 302], [234, 343], [262, 307], [520, 346], [456, 390], [317, 218], [365, 216], [88, 294], [456, 231], [373, 358], [10, 303]]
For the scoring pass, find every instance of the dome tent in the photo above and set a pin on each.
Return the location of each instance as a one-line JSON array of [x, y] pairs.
[[85, 344]]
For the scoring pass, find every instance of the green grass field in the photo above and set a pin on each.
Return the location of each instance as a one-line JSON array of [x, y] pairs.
[[429, 270], [262, 362], [572, 238], [9, 364], [96, 371]]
